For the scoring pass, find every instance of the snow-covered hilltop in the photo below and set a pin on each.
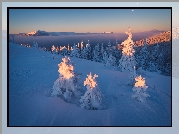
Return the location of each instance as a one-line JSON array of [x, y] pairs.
[[35, 33], [44, 33], [158, 38], [43, 87]]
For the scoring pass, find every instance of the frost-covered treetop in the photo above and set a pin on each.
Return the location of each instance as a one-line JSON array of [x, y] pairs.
[[128, 44], [53, 48], [66, 68], [91, 81], [129, 33], [140, 82]]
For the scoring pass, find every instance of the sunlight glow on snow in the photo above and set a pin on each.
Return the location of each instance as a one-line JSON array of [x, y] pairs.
[[140, 82], [90, 81], [128, 44], [65, 69]]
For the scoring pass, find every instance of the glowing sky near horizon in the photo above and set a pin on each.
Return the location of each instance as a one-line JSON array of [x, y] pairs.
[[88, 20]]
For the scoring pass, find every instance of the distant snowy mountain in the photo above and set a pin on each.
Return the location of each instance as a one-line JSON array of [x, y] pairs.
[[155, 30]]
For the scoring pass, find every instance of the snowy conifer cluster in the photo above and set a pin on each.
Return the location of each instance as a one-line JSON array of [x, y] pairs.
[[154, 58], [67, 86]]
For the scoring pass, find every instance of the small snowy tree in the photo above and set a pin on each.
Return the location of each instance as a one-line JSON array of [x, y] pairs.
[[140, 89], [53, 50], [88, 51], [83, 53], [127, 61], [67, 83], [57, 50], [111, 61], [105, 58], [35, 45], [142, 58], [101, 53], [96, 53], [75, 51], [92, 98]]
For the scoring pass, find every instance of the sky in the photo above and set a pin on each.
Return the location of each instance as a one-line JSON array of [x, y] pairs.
[[88, 20]]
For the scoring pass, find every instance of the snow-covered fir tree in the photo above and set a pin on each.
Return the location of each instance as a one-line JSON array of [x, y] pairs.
[[68, 51], [142, 58], [140, 89], [75, 51], [57, 50], [101, 53], [153, 65], [116, 43], [63, 51], [67, 83], [127, 61], [96, 53], [108, 48], [105, 58], [92, 98], [116, 51], [53, 50], [111, 61], [83, 53], [35, 45], [88, 51]]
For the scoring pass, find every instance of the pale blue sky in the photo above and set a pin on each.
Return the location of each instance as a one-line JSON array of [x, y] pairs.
[[174, 6], [88, 20]]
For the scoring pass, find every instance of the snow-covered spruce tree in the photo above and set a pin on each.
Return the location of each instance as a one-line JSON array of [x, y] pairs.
[[108, 48], [111, 61], [96, 53], [142, 58], [117, 52], [57, 50], [88, 51], [63, 51], [153, 65], [101, 53], [67, 83], [105, 58], [35, 45], [127, 61], [75, 51], [140, 89], [83, 53], [92, 98], [53, 50]]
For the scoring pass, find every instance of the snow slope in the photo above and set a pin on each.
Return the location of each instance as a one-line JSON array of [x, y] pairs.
[[33, 73]]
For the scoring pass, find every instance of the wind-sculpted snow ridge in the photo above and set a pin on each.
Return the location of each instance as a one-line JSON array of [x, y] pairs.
[[175, 50]]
